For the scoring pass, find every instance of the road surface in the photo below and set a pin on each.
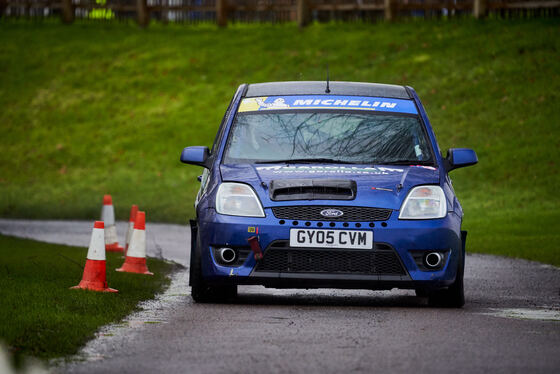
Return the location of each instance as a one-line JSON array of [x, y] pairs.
[[510, 323]]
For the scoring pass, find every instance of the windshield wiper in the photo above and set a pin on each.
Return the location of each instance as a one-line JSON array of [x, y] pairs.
[[404, 162], [304, 161]]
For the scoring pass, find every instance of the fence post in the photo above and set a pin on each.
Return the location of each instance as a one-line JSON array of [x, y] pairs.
[[3, 6], [479, 8], [165, 11], [67, 11], [388, 10], [221, 13], [142, 13], [303, 13]]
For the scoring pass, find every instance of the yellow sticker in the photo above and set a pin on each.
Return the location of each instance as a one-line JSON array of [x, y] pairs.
[[251, 104], [250, 229]]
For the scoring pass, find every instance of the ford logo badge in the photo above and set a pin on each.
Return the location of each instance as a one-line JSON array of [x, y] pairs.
[[331, 213]]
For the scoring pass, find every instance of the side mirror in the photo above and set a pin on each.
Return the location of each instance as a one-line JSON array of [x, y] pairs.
[[460, 157], [196, 156]]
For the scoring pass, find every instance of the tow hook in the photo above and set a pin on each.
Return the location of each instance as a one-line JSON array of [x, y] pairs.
[[256, 247]]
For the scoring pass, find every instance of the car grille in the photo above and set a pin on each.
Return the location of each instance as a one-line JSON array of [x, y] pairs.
[[313, 213], [280, 258]]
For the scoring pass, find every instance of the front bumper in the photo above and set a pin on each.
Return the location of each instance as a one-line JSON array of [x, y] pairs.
[[403, 237]]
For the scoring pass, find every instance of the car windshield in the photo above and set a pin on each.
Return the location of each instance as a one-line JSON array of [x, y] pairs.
[[327, 136]]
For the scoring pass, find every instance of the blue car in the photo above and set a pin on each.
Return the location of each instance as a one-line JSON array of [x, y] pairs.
[[327, 185]]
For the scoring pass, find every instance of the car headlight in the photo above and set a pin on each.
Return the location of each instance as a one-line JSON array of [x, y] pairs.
[[236, 199], [424, 202]]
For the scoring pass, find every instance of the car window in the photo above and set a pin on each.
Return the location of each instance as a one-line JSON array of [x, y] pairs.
[[349, 136]]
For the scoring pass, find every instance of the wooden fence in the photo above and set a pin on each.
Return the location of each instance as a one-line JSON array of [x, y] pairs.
[[302, 11]]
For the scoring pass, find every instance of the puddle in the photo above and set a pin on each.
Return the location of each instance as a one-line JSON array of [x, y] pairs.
[[528, 314]]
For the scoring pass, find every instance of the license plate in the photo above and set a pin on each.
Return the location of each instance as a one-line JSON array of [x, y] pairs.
[[314, 238]]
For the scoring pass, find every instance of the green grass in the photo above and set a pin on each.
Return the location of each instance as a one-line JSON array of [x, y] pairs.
[[106, 108], [40, 316]]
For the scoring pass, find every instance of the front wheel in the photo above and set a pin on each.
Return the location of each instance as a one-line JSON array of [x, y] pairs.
[[454, 295]]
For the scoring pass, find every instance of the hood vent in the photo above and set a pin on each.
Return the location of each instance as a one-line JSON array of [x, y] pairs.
[[312, 189]]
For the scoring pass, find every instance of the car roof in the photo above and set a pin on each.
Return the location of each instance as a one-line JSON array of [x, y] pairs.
[[319, 88]]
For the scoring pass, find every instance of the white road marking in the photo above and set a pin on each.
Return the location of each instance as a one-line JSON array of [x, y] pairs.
[[523, 313]]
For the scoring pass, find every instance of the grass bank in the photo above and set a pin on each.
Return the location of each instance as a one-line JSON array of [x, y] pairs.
[[96, 108], [41, 317]]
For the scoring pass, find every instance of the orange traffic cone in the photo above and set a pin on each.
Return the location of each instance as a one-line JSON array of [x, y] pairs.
[[95, 277], [131, 221], [108, 217], [135, 261]]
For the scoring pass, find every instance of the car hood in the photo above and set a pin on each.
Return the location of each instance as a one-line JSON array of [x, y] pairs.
[[377, 186]]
